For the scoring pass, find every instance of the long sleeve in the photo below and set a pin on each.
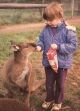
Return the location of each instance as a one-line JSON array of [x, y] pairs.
[[71, 43], [40, 41]]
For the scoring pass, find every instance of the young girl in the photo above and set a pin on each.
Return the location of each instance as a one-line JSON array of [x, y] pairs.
[[57, 34]]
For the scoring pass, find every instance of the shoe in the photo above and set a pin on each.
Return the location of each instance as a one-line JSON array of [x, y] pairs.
[[56, 107], [46, 105]]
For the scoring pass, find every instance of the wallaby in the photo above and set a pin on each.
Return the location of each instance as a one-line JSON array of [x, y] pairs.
[[17, 72]]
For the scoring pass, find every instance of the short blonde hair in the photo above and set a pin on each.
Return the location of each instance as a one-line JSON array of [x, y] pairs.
[[52, 11]]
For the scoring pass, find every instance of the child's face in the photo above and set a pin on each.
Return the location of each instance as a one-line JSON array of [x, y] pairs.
[[54, 22]]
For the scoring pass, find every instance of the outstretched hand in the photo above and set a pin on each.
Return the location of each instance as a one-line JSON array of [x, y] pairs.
[[38, 48]]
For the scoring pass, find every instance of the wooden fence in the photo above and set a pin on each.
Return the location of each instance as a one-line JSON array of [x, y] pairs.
[[21, 6]]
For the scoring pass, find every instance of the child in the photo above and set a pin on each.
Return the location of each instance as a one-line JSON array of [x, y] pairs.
[[57, 34]]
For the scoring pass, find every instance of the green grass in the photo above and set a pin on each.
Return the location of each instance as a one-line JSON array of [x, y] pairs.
[[16, 16], [67, 101]]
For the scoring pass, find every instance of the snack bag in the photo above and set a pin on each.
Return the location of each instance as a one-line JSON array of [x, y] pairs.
[[52, 58]]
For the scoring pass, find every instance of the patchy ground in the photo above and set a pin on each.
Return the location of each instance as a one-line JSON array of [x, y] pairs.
[[72, 86], [33, 26]]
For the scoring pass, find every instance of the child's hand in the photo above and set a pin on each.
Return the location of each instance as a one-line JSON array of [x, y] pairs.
[[38, 48], [54, 46]]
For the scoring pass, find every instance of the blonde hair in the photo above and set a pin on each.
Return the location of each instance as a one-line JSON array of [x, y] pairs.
[[52, 11]]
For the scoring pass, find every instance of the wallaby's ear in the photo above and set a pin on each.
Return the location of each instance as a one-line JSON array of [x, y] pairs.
[[14, 46]]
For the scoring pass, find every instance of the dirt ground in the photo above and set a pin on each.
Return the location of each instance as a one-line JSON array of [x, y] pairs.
[[26, 27]]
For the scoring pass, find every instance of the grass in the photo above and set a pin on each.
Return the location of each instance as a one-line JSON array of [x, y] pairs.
[[67, 102], [15, 16]]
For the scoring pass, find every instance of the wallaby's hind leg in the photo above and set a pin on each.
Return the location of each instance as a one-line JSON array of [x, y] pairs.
[[34, 83], [27, 100], [9, 93]]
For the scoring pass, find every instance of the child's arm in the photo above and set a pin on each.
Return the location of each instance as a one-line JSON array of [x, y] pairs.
[[40, 42], [71, 43]]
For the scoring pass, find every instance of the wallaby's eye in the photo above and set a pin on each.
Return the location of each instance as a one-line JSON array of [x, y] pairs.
[[32, 44]]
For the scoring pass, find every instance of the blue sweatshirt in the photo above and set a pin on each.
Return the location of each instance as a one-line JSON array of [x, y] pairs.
[[65, 38]]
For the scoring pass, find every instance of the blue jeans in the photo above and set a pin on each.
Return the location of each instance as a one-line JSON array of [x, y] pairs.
[[55, 84]]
